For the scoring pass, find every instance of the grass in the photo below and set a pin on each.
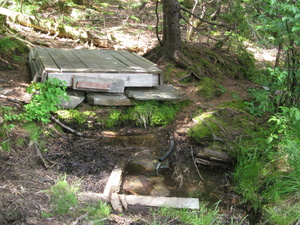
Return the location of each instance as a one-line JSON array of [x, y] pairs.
[[63, 195], [203, 216], [267, 171]]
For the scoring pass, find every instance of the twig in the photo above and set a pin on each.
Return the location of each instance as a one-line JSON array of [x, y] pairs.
[[69, 129], [206, 21], [98, 221], [38, 152], [12, 99], [80, 217], [192, 153]]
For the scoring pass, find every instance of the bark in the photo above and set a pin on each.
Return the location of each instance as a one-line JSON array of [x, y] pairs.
[[171, 33], [54, 28]]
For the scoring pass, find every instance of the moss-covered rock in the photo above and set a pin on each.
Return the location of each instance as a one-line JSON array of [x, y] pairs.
[[220, 129]]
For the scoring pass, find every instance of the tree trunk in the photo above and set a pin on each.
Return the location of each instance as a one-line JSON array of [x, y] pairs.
[[171, 27]]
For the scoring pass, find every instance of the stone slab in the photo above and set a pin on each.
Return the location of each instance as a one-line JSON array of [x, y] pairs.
[[105, 99], [159, 93], [76, 98]]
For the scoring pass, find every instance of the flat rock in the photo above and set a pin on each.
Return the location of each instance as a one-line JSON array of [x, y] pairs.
[[143, 161], [76, 98], [142, 185], [106, 99], [160, 93]]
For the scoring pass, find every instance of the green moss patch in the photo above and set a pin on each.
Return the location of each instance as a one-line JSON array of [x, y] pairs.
[[208, 88], [223, 126], [12, 52]]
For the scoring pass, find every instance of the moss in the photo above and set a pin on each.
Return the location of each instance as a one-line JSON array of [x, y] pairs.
[[75, 115], [207, 125], [12, 46], [235, 104], [208, 88]]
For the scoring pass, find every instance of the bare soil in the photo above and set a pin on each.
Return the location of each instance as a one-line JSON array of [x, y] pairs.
[[24, 176]]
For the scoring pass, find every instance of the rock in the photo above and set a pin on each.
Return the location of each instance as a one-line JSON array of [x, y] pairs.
[[137, 185], [107, 99], [76, 98], [141, 185], [160, 93], [144, 161]]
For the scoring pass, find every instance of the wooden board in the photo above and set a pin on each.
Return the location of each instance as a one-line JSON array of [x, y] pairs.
[[115, 179], [174, 202], [64, 64]]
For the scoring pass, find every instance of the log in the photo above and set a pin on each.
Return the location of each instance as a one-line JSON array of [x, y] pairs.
[[54, 28]]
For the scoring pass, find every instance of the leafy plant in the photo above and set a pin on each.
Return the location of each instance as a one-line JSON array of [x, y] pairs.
[[45, 99]]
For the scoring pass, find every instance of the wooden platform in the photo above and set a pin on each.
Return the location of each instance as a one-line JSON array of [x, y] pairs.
[[94, 70]]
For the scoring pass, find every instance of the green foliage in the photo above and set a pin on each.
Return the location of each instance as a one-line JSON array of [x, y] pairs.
[[45, 99], [97, 213], [13, 48], [205, 128], [113, 119], [268, 166], [33, 130], [63, 195], [75, 115], [153, 113], [202, 217], [208, 88]]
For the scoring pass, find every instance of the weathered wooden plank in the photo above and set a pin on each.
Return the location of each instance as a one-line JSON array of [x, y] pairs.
[[131, 64], [116, 63], [130, 79], [116, 203], [46, 61], [152, 66], [141, 62], [60, 60], [88, 61], [103, 63], [174, 202], [76, 63], [115, 179], [98, 84]]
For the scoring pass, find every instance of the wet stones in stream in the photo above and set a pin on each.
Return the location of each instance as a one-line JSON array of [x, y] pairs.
[[141, 178]]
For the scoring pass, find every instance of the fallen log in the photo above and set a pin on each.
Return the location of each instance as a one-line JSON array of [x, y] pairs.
[[54, 28]]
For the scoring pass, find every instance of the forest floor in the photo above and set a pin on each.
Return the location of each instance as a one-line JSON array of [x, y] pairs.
[[24, 177]]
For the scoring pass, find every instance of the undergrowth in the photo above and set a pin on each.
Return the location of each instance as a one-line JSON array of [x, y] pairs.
[[144, 113]]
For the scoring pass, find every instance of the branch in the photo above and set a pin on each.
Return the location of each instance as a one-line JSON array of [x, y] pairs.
[[206, 21], [69, 129]]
